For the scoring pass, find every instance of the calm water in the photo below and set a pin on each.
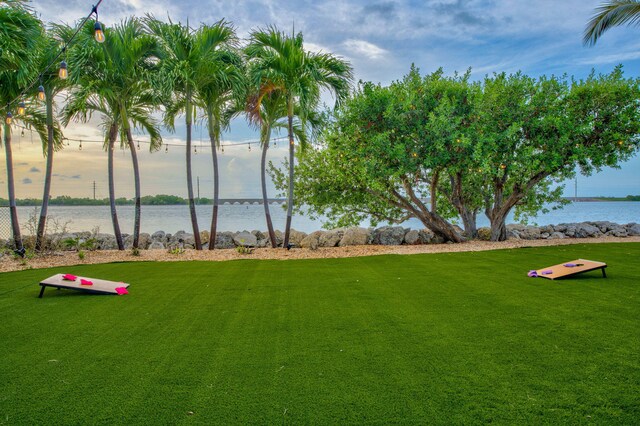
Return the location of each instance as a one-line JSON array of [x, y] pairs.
[[249, 217]]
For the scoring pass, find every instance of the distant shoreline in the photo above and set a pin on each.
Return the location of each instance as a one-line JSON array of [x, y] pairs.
[[173, 200]]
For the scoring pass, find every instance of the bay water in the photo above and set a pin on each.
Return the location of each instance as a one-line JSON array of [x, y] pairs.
[[249, 217]]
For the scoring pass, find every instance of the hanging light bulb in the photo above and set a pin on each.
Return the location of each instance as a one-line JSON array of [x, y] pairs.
[[80, 147], [195, 150], [63, 73], [21, 108], [9, 117], [138, 146], [98, 34], [249, 146], [223, 149], [41, 93], [22, 133], [166, 149]]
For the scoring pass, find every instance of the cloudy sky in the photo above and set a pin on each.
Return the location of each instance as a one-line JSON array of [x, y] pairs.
[[380, 38]]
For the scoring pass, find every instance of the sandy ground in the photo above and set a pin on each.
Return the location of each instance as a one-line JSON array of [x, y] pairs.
[[8, 263]]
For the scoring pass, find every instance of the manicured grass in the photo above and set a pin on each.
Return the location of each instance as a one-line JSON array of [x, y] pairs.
[[426, 339]]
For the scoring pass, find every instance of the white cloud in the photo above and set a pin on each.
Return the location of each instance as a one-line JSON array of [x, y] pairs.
[[365, 49]]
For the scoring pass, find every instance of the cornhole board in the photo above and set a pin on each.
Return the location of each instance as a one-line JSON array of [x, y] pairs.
[[98, 287], [561, 271]]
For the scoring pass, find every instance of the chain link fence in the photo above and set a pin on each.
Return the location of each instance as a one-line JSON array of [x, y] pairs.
[[5, 223]]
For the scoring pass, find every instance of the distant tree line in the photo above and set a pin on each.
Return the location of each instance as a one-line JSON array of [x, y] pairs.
[[147, 200]]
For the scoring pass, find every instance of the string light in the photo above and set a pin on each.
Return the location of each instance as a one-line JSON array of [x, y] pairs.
[[195, 150], [80, 147], [9, 117], [98, 33], [21, 108], [138, 145], [41, 92], [63, 73], [166, 148], [22, 133], [249, 146]]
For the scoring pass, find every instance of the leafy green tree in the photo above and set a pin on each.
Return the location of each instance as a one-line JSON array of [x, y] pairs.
[[113, 79], [279, 63], [611, 14], [530, 133], [380, 161], [21, 35]]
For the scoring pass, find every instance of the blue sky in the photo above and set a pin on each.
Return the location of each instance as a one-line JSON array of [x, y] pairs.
[[381, 39]]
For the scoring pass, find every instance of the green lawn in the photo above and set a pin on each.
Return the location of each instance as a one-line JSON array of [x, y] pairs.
[[425, 339]]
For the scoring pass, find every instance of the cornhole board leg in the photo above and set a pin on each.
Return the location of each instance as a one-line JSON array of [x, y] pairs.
[[604, 274], [42, 290]]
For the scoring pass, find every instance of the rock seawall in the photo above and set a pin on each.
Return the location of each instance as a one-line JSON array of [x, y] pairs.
[[386, 235]]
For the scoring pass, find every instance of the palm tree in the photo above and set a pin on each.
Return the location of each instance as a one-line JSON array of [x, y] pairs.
[[221, 84], [611, 14], [273, 116], [20, 37], [278, 63], [51, 85], [181, 71], [112, 79]]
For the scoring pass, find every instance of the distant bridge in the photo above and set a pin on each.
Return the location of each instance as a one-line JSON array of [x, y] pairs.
[[241, 201]]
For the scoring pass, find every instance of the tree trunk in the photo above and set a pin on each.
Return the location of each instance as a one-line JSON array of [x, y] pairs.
[[440, 227], [287, 228], [498, 227], [136, 178], [15, 226], [113, 134], [216, 183], [265, 199], [192, 204], [468, 222], [48, 173]]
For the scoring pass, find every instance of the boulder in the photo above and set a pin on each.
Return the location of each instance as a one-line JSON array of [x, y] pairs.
[[156, 245], [633, 229], [484, 234], [260, 235], [585, 230], [144, 240], [204, 236], [355, 236], [279, 238], [296, 237], [412, 237], [389, 235], [158, 236], [556, 236], [331, 238], [427, 237], [107, 243], [530, 233], [619, 231], [224, 240], [245, 239], [311, 241]]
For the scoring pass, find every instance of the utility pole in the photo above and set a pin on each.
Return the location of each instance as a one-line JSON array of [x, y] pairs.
[[94, 189]]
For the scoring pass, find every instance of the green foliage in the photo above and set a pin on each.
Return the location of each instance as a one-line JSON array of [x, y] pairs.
[[176, 250], [242, 249], [135, 251], [80, 244], [305, 342]]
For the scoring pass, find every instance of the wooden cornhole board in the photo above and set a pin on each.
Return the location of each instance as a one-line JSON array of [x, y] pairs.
[[98, 287], [561, 271]]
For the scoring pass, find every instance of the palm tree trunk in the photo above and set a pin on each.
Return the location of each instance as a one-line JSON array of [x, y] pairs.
[[136, 178], [265, 199], [48, 173], [192, 204], [113, 134], [15, 226], [216, 183], [287, 229]]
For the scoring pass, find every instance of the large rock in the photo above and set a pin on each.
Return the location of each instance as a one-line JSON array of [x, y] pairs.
[[389, 235], [556, 236], [156, 245], [427, 237], [204, 236], [279, 238], [355, 236], [296, 237], [331, 238], [311, 241], [260, 235], [412, 237], [245, 239], [619, 231], [158, 236], [585, 230], [633, 229], [224, 240]]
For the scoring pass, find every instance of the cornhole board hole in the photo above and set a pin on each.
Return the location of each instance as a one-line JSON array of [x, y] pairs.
[[97, 286], [562, 270]]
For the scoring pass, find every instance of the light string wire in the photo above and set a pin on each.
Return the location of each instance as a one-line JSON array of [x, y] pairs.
[[94, 10], [229, 144]]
